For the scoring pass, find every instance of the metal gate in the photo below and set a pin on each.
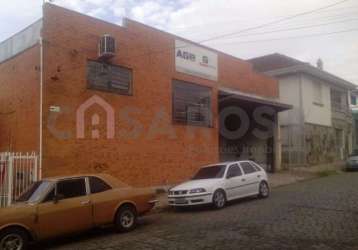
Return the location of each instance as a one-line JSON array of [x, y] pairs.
[[17, 172]]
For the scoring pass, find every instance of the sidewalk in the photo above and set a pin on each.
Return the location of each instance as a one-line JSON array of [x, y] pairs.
[[281, 178]]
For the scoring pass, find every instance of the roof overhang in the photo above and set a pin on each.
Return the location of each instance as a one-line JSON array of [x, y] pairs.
[[313, 71], [271, 102]]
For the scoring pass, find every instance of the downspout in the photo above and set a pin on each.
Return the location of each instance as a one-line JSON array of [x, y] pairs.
[[41, 102]]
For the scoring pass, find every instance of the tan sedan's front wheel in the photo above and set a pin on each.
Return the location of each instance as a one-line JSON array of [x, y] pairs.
[[13, 239], [126, 218]]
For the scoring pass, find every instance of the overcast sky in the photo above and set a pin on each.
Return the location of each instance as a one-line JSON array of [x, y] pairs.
[[199, 20]]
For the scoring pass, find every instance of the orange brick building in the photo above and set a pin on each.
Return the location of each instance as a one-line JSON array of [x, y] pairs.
[[150, 114]]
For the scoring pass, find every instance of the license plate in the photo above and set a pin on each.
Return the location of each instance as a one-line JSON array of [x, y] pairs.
[[181, 201]]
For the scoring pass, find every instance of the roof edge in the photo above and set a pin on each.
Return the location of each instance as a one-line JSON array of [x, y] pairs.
[[310, 70]]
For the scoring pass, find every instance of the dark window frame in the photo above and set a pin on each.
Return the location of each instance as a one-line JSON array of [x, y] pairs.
[[235, 165], [209, 123], [110, 89], [109, 187], [73, 179], [255, 165], [249, 164], [339, 103]]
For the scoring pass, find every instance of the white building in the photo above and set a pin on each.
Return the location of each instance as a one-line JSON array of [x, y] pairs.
[[354, 109], [318, 130]]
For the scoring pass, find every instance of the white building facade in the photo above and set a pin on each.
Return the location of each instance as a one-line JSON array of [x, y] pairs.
[[318, 130]]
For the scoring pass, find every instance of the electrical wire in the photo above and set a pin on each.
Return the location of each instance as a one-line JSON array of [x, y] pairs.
[[248, 29], [293, 37], [302, 21], [240, 21], [229, 43], [169, 49], [274, 22], [295, 28]]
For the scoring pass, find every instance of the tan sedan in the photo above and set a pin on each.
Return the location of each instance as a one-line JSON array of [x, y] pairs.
[[64, 205]]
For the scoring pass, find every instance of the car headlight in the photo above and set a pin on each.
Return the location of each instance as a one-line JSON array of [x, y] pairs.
[[197, 190]]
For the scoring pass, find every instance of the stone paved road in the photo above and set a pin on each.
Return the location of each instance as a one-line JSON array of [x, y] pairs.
[[315, 214]]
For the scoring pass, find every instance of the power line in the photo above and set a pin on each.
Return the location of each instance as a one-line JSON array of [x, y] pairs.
[[306, 21], [222, 22], [245, 30], [296, 28], [239, 42], [274, 22], [169, 49], [293, 37]]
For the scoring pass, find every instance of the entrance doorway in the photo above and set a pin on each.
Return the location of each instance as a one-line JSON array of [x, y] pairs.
[[248, 129]]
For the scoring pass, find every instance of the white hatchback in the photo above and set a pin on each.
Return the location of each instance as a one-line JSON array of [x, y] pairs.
[[216, 184]]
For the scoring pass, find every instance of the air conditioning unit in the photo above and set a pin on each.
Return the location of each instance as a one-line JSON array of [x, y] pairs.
[[107, 47]]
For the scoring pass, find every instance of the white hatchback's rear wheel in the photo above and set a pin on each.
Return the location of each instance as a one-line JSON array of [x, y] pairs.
[[264, 190], [219, 199]]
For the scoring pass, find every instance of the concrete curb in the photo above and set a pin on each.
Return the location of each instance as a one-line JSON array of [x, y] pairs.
[[162, 205]]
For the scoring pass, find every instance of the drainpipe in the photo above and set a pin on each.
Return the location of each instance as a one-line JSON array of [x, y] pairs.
[[41, 103]]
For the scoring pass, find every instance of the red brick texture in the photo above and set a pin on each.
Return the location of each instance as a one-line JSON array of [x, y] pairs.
[[20, 102], [148, 148]]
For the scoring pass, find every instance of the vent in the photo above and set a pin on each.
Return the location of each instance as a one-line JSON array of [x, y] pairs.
[[107, 47]]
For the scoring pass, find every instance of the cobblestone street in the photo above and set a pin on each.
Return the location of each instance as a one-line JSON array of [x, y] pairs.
[[315, 214]]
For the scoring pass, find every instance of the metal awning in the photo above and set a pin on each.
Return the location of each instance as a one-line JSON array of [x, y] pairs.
[[227, 93]]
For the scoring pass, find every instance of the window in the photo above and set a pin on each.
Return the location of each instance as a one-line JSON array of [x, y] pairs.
[[71, 188], [34, 192], [191, 104], [97, 185], [337, 99], [353, 100], [255, 166], [234, 171], [50, 196], [212, 172], [247, 168], [107, 77]]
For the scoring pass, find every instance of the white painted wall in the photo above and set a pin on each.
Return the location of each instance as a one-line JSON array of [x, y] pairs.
[[289, 89], [316, 112]]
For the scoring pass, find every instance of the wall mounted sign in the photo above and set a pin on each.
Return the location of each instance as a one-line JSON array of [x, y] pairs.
[[197, 61]]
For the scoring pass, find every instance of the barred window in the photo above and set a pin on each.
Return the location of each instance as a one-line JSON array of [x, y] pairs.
[[338, 100], [110, 78], [191, 104]]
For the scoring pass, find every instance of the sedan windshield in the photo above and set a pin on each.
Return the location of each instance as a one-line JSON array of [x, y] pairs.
[[34, 192], [212, 172]]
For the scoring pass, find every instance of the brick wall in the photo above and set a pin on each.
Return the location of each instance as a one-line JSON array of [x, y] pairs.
[[148, 149], [19, 102]]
